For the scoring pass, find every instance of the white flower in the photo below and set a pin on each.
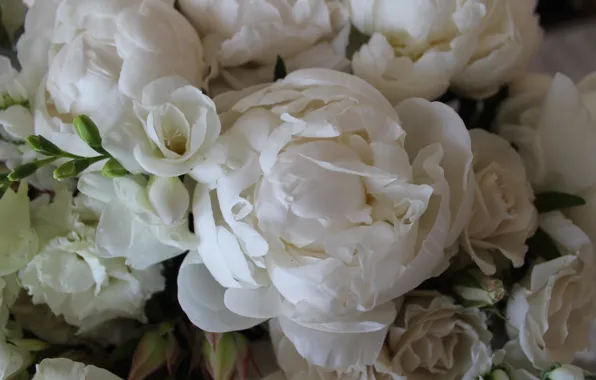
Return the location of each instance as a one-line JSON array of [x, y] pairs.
[[417, 48], [144, 222], [508, 39], [104, 56], [433, 338], [550, 313], [66, 369], [73, 280], [327, 255], [178, 124], [504, 216], [19, 241], [553, 125], [15, 118], [564, 372], [238, 33]]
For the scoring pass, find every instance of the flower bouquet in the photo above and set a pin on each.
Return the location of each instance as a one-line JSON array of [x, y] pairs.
[[293, 189]]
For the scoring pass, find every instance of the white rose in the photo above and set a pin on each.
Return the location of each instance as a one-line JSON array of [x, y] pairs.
[[416, 46], [281, 242], [238, 33], [553, 125], [550, 312], [66, 369], [507, 42], [107, 54], [178, 124], [504, 216], [145, 222], [433, 338], [19, 241], [73, 280]]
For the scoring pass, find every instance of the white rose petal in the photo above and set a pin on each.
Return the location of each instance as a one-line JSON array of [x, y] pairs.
[[66, 369], [503, 217], [282, 243]]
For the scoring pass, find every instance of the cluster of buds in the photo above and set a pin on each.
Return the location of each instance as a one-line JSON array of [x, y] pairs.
[[227, 356], [155, 349], [477, 289]]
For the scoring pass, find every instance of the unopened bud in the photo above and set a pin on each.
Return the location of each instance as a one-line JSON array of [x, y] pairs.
[[150, 355], [113, 168], [31, 345], [224, 354], [499, 374], [25, 170], [88, 132], [172, 353], [71, 169], [564, 372], [478, 289], [43, 146]]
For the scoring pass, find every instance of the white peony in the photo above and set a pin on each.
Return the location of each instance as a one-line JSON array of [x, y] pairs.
[[279, 241], [146, 222], [552, 122], [503, 216], [550, 312], [66, 369], [177, 125], [73, 280], [18, 240], [419, 48], [102, 55], [239, 34], [508, 39]]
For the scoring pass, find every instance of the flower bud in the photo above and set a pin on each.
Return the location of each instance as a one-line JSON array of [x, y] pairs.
[[564, 372], [225, 355], [31, 345], [151, 353], [112, 169], [25, 170], [172, 353], [43, 146], [71, 168], [499, 374], [477, 289], [88, 132]]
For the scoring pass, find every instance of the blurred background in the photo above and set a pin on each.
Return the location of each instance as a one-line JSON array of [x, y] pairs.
[[570, 37]]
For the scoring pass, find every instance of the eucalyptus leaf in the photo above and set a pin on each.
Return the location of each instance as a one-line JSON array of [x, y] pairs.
[[543, 246], [280, 70], [552, 201]]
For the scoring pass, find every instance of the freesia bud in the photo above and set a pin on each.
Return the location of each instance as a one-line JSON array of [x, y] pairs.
[[499, 374], [71, 169], [226, 355], [25, 170], [43, 146], [88, 132], [151, 353], [112, 169], [478, 289], [564, 372]]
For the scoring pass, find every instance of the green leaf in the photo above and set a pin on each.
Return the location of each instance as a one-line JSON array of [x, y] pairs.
[[552, 200], [543, 246], [280, 70]]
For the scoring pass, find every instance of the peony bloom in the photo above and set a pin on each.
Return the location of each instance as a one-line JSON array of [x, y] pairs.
[[19, 240], [503, 216], [176, 126], [327, 256], [66, 369], [101, 56], [552, 122], [146, 222], [69, 275], [419, 48], [244, 37], [550, 312]]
